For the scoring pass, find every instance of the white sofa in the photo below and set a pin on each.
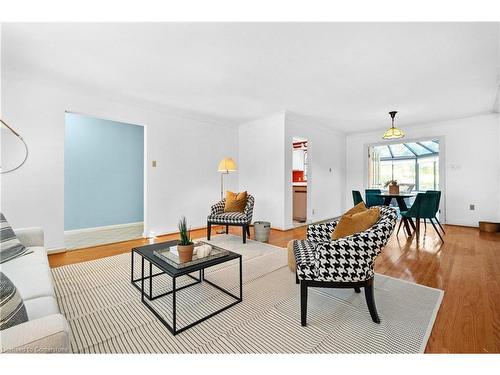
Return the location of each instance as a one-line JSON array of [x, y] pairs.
[[46, 330]]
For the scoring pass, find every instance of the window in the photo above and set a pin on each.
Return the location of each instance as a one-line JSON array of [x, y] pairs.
[[403, 171], [415, 165], [428, 171]]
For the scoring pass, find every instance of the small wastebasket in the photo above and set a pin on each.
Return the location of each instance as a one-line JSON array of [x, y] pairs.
[[262, 229]]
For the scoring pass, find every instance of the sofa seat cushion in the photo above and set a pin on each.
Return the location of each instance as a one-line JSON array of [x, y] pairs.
[[40, 307], [229, 218], [32, 281], [305, 259]]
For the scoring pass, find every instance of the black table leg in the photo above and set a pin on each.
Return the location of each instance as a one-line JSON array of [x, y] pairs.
[[241, 279], [150, 280], [174, 318], [142, 279], [132, 268], [387, 201]]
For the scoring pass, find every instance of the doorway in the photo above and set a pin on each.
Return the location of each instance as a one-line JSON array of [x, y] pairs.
[[103, 181], [299, 180]]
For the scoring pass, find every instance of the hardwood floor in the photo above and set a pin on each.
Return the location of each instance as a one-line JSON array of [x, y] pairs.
[[466, 267]]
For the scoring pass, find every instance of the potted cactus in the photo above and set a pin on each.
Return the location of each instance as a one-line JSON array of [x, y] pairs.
[[185, 246], [393, 186]]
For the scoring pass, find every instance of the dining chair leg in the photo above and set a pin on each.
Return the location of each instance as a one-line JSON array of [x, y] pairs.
[[440, 226], [425, 225], [437, 231], [399, 227], [417, 228]]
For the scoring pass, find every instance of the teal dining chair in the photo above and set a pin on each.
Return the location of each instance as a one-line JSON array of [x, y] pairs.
[[437, 206], [372, 199], [356, 197], [424, 207]]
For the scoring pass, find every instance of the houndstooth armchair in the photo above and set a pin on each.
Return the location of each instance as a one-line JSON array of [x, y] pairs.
[[219, 217], [343, 263]]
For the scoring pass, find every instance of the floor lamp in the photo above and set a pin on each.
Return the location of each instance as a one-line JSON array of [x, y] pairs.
[[226, 165]]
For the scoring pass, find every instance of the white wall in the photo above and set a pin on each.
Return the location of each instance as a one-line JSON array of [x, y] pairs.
[[186, 181], [326, 168], [471, 170], [265, 155], [262, 166]]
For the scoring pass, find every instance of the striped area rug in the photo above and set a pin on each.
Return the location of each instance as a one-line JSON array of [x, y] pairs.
[[106, 315]]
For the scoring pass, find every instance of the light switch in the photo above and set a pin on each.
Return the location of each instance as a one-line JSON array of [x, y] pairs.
[[154, 163]]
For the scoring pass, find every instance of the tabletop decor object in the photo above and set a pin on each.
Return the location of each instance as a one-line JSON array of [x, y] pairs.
[[393, 186], [185, 246], [202, 250]]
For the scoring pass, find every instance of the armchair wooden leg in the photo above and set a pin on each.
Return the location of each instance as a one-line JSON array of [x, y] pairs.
[[303, 303], [209, 227], [227, 229], [244, 227], [357, 289], [248, 231], [370, 301], [296, 278]]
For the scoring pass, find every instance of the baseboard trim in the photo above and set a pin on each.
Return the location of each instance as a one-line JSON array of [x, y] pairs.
[[105, 227], [56, 250]]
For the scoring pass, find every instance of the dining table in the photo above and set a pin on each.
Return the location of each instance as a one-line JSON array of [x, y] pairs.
[[400, 199]]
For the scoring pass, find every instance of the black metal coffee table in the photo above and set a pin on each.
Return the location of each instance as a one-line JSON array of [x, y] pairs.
[[147, 254]]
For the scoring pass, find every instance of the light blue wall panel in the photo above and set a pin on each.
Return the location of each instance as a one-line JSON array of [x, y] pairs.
[[103, 172]]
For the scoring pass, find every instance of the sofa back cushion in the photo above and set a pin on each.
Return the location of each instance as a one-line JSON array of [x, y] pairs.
[[12, 310], [10, 247], [350, 224], [235, 202]]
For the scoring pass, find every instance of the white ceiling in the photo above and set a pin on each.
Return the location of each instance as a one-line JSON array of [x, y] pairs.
[[349, 74]]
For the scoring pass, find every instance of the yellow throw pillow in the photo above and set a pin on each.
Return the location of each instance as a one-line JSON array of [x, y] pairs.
[[360, 207], [355, 223], [235, 202]]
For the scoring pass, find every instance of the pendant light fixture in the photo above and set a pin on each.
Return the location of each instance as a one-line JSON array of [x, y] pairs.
[[392, 132]]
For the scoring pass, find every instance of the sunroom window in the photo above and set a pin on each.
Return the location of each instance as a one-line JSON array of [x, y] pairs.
[[414, 165]]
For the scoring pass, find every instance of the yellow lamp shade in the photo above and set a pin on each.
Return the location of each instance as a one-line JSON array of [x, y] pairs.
[[393, 133], [227, 165]]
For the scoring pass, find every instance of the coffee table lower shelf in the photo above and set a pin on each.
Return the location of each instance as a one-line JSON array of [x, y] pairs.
[[140, 282]]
